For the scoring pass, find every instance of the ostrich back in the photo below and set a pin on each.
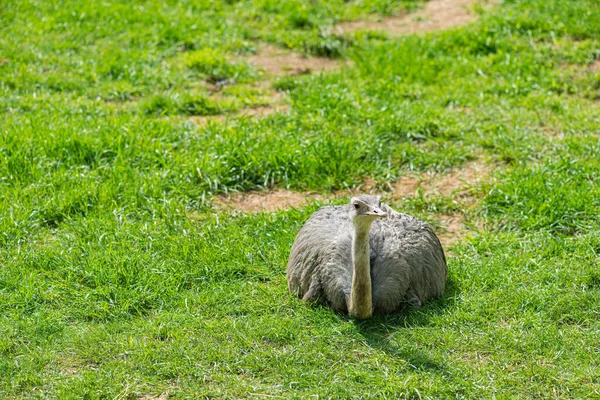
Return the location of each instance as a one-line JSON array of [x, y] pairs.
[[408, 265]]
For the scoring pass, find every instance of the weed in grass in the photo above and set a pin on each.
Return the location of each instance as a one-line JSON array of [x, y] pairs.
[[165, 104], [213, 65]]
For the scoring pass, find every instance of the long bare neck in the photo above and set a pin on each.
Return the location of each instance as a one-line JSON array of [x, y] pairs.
[[361, 295]]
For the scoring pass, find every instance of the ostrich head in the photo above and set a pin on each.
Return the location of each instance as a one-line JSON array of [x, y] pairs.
[[366, 209]]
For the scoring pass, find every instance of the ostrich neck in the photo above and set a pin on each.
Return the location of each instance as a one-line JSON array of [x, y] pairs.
[[361, 297]]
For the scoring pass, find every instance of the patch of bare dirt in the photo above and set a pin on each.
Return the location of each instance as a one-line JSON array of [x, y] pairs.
[[205, 119], [462, 110], [69, 365], [453, 228], [263, 111], [456, 227], [595, 66], [436, 16], [275, 200], [277, 61], [68, 370], [163, 396], [553, 133], [259, 112], [281, 199], [458, 182], [406, 186]]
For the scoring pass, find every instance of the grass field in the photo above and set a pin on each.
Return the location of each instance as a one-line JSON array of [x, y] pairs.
[[122, 277]]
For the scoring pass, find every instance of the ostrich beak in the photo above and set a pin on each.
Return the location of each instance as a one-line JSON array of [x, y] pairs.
[[376, 212]]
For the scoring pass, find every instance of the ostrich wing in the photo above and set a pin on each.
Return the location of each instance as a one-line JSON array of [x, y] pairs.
[[407, 262], [320, 264]]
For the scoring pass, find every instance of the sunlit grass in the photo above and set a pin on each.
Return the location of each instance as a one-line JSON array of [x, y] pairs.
[[118, 277]]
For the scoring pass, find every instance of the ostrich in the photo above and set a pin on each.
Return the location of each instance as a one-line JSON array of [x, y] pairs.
[[364, 258]]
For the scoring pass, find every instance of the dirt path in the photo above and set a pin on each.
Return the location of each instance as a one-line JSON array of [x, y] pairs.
[[436, 16], [458, 183], [259, 112], [275, 61]]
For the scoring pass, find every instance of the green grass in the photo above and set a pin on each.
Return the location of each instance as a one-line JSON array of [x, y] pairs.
[[119, 279]]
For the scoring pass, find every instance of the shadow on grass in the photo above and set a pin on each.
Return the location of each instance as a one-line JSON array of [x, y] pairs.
[[377, 330]]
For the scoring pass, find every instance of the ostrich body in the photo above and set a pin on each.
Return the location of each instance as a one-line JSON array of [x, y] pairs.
[[364, 258]]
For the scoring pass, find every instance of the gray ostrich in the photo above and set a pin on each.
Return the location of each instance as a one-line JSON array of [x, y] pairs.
[[364, 258]]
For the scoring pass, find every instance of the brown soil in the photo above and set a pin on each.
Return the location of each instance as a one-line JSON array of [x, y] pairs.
[[163, 396], [276, 61], [67, 370], [437, 15], [260, 111], [458, 182], [203, 120], [69, 365], [406, 186], [264, 111], [453, 228], [463, 110], [595, 66], [253, 202], [553, 133]]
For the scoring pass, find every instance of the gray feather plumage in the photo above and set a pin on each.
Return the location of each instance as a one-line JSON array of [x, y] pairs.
[[408, 265]]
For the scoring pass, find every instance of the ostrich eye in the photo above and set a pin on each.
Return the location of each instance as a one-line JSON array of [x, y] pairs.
[[356, 206]]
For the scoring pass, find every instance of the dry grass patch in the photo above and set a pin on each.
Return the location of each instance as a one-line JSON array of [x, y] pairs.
[[453, 228], [458, 183], [163, 396], [276, 62], [69, 364], [436, 16], [259, 112], [255, 202], [406, 186]]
